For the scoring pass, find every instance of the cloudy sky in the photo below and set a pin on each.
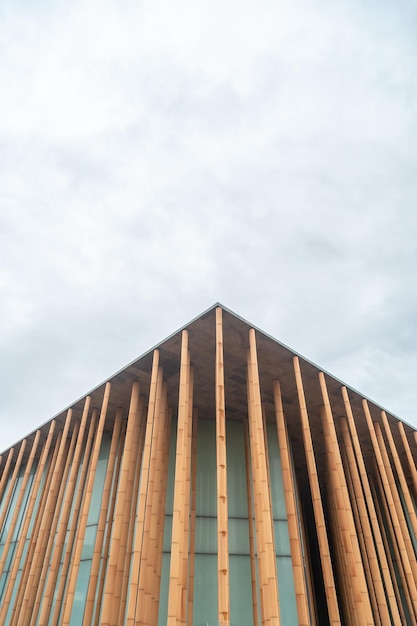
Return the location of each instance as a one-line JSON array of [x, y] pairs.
[[157, 157]]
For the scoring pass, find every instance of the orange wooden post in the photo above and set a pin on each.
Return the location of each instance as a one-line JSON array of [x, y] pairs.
[[82, 522], [329, 584], [410, 458], [409, 577], [193, 518], [181, 486], [376, 528], [136, 605], [101, 527], [263, 514], [253, 568], [291, 507], [17, 616], [223, 587], [355, 569], [70, 538]]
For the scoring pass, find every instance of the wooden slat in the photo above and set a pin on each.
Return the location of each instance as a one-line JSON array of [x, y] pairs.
[[327, 568], [263, 514], [300, 586]]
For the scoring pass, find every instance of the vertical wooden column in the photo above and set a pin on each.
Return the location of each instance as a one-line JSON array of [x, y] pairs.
[[59, 542], [26, 522], [329, 584], [5, 473], [400, 473], [252, 551], [15, 515], [223, 587], [111, 601], [73, 525], [374, 579], [397, 501], [193, 518], [376, 529], [263, 515], [300, 586], [110, 522], [136, 606], [410, 458], [56, 514], [346, 524], [47, 521], [13, 481], [17, 615], [101, 528], [82, 523], [181, 486], [405, 561]]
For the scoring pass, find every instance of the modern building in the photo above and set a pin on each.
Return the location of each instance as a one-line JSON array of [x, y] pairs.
[[218, 479]]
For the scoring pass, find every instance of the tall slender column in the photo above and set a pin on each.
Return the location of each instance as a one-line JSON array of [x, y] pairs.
[[176, 610], [252, 551], [409, 577], [291, 507], [26, 522], [12, 526], [400, 473], [223, 587], [19, 608], [193, 518], [410, 458], [346, 524], [63, 520], [13, 481], [329, 584], [73, 525], [374, 579], [263, 513], [101, 527], [376, 528], [137, 592], [82, 524], [110, 602]]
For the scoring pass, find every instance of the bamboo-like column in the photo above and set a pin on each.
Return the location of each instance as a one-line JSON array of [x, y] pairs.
[[176, 610], [398, 535], [13, 481], [223, 587], [193, 517], [329, 584], [374, 578], [82, 523], [73, 526], [15, 515], [63, 521], [110, 521], [410, 458], [397, 502], [355, 570], [17, 615], [251, 527], [400, 473], [47, 521], [128, 525], [26, 522], [136, 605], [375, 526], [101, 527], [300, 586], [40, 597], [111, 603], [263, 514], [5, 473], [361, 538], [397, 573]]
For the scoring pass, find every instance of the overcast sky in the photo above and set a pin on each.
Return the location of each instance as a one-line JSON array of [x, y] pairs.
[[157, 157]]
